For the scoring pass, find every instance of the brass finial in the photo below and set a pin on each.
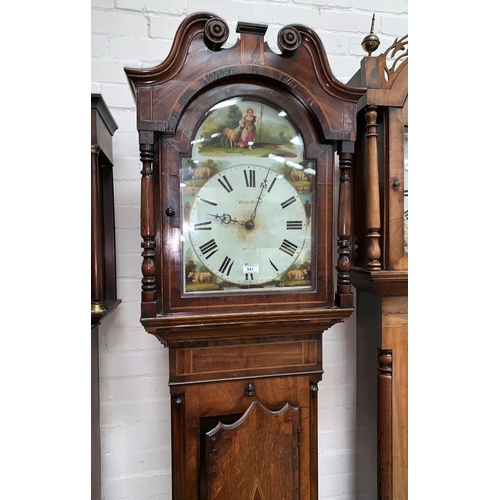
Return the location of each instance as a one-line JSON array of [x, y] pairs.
[[371, 42]]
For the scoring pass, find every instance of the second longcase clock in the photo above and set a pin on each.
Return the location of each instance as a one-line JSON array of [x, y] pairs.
[[240, 273], [380, 271]]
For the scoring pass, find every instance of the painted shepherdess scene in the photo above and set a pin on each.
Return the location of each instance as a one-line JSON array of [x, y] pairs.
[[248, 129]]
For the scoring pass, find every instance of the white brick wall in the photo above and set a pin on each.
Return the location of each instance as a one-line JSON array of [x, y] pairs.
[[135, 401]]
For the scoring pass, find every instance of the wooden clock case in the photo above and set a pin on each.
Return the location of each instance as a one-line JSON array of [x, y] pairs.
[[380, 273], [244, 369], [103, 258]]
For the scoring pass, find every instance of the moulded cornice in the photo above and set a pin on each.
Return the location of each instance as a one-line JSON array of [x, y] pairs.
[[194, 65], [167, 69], [313, 44], [194, 25]]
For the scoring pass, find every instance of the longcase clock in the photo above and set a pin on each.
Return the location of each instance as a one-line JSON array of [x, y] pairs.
[[103, 299], [240, 270], [380, 270]]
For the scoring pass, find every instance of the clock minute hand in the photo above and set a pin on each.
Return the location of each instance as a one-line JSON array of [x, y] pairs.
[[259, 198]]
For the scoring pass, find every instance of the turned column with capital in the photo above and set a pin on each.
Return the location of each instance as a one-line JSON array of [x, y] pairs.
[[148, 227], [373, 252], [343, 296]]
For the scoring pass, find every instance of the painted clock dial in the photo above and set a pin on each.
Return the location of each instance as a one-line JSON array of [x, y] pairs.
[[248, 198], [248, 224]]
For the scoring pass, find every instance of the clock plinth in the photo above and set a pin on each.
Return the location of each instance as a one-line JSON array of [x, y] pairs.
[[240, 278]]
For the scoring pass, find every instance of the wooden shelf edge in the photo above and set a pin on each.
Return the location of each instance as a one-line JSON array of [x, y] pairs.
[[109, 306], [384, 283]]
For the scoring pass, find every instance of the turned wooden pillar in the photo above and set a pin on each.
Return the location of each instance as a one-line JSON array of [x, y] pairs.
[[344, 297], [148, 226], [373, 251]]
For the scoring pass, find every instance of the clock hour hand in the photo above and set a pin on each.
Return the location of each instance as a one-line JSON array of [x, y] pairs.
[[226, 219]]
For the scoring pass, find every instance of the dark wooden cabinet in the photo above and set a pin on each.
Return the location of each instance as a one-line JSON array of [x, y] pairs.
[[240, 273], [103, 258], [103, 275], [380, 272]]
